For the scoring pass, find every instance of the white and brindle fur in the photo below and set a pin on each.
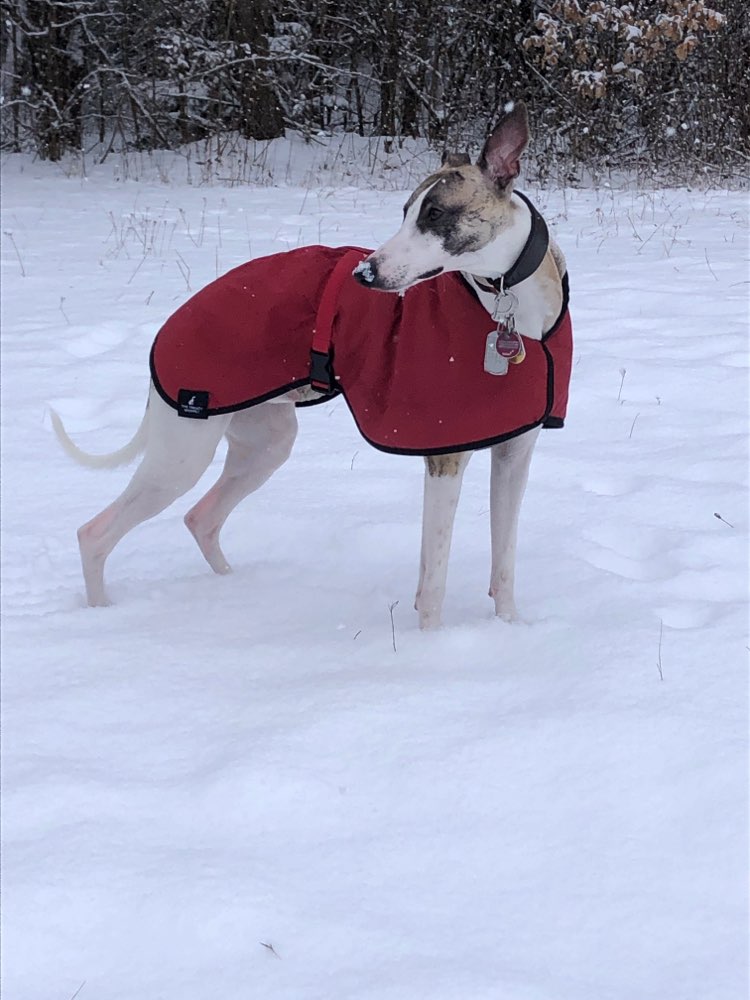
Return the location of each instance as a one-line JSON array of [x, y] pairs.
[[462, 218]]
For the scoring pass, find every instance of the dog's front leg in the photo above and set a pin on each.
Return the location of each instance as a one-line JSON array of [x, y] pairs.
[[510, 471], [442, 487]]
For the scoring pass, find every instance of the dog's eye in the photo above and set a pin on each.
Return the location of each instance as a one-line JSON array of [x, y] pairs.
[[434, 213]]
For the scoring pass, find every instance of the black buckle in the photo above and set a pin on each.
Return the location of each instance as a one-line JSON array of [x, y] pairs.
[[321, 372]]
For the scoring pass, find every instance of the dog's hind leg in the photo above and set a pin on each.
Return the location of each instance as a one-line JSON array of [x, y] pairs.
[[510, 472], [260, 440], [442, 487], [178, 452]]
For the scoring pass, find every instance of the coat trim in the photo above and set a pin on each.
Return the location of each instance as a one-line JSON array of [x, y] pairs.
[[216, 411], [471, 445]]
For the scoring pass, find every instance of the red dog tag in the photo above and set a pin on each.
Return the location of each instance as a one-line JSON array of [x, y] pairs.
[[509, 343], [504, 346]]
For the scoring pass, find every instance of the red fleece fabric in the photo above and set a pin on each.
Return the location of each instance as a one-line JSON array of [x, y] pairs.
[[411, 367]]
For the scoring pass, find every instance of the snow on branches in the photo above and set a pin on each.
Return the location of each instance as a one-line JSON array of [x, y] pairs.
[[602, 44]]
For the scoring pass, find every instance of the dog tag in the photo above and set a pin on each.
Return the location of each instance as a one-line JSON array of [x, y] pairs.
[[494, 363], [509, 344], [504, 345]]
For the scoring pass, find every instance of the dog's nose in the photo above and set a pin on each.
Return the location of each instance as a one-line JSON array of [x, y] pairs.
[[366, 273]]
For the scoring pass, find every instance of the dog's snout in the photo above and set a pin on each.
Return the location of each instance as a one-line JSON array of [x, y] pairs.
[[366, 273]]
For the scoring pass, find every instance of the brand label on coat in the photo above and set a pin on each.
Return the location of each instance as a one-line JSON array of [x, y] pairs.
[[192, 403]]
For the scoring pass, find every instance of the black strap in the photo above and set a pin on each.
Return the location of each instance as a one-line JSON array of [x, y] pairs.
[[322, 377], [532, 255]]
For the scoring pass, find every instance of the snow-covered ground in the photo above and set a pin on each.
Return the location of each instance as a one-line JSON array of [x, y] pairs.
[[234, 787]]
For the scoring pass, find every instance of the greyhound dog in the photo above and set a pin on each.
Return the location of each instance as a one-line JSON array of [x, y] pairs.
[[464, 222]]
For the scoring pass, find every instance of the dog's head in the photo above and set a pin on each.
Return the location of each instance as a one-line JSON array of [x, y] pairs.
[[454, 215]]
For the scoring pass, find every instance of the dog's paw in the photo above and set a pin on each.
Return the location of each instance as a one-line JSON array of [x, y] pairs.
[[507, 613], [429, 608]]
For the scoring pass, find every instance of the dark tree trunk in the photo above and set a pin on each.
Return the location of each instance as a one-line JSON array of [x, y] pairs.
[[250, 22]]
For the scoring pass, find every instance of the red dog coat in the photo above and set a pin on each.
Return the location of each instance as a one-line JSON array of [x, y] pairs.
[[411, 366]]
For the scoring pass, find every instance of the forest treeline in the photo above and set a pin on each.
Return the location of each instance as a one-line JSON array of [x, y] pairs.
[[662, 84]]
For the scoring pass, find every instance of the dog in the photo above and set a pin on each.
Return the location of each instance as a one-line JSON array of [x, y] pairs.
[[470, 248]]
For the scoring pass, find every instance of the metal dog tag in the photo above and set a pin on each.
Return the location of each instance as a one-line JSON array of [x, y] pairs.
[[494, 363]]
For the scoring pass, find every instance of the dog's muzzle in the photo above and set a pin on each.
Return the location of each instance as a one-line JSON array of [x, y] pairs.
[[368, 275]]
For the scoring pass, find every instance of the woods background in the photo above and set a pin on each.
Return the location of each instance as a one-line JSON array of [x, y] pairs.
[[663, 86]]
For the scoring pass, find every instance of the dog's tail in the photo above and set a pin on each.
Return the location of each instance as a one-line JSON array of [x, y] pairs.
[[121, 457]]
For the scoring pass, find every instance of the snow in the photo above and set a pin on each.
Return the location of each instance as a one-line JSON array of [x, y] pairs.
[[235, 787], [365, 271]]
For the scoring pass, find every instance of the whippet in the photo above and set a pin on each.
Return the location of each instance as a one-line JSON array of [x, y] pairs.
[[464, 223]]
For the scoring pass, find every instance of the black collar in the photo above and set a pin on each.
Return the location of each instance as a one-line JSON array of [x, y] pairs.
[[529, 259]]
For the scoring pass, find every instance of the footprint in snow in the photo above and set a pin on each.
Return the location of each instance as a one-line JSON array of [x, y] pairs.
[[88, 341]]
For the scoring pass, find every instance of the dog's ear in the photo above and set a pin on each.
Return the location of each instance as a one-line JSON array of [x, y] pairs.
[[455, 159], [500, 160]]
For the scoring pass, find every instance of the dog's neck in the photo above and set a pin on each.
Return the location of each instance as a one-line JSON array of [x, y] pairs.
[[516, 253], [513, 256]]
